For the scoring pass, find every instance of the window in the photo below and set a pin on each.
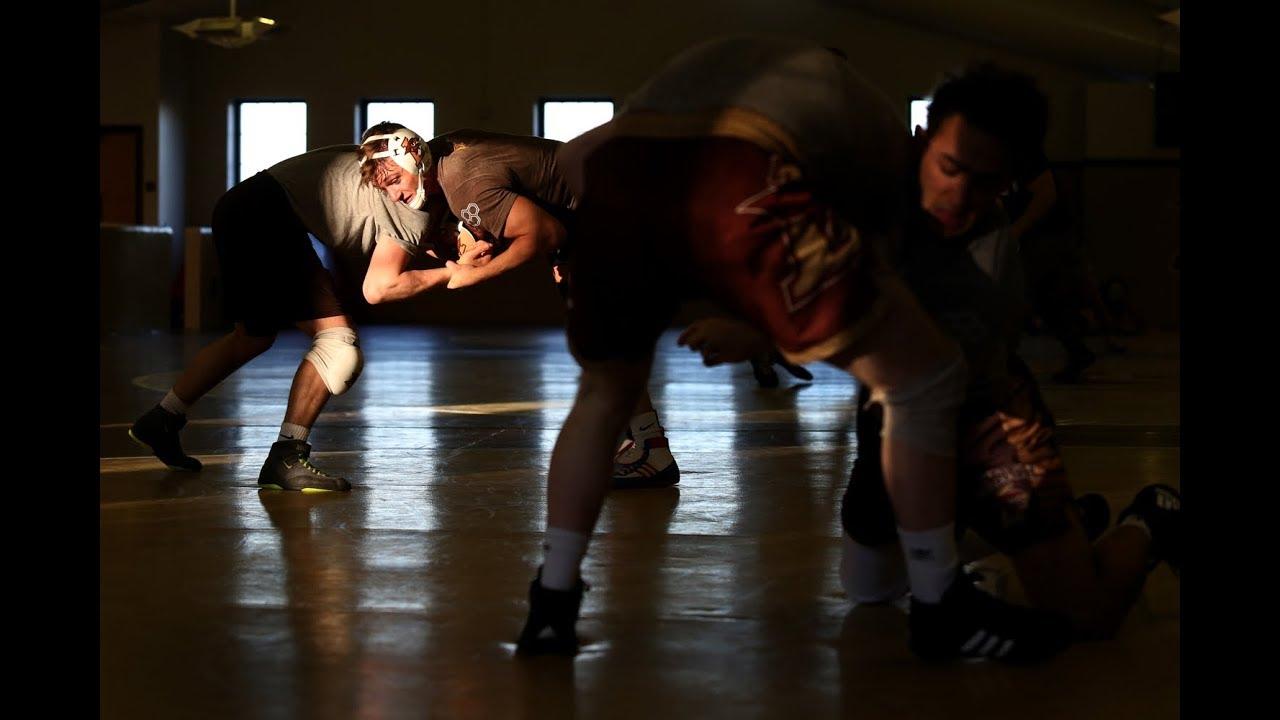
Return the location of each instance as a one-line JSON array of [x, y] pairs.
[[919, 113], [265, 133], [417, 115], [565, 120]]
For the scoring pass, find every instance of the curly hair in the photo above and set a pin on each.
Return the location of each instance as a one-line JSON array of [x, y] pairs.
[[374, 172]]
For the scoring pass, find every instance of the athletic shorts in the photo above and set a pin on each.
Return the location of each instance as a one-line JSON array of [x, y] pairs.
[[998, 497], [271, 275]]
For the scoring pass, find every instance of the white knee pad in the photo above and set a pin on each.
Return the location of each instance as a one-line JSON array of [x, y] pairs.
[[872, 574], [923, 414], [336, 355]]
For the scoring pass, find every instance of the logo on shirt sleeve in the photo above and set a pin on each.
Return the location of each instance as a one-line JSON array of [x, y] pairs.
[[471, 215]]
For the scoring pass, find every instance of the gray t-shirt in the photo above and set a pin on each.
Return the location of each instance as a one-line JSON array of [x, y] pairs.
[[851, 139], [482, 174], [350, 217]]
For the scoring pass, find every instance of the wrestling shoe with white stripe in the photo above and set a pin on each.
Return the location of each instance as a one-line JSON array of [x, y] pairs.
[[971, 625]]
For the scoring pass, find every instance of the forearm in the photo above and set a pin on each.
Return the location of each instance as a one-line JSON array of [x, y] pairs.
[[405, 285]]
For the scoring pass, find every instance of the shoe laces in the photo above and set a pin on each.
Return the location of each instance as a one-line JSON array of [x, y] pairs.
[[305, 462]]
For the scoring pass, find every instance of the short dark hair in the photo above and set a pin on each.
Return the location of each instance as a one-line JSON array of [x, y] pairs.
[[1003, 103]]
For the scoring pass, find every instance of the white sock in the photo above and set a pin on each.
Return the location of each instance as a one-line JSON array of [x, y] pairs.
[[562, 554], [289, 431], [1137, 522], [645, 426], [173, 404], [872, 574], [932, 561]]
